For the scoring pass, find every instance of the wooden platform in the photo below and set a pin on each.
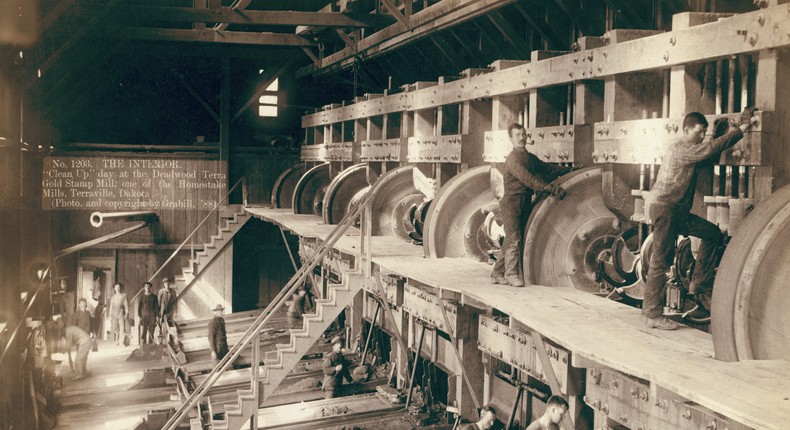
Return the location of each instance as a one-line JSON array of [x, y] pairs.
[[756, 393]]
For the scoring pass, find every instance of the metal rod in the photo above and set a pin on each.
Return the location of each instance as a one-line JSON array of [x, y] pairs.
[[516, 404], [744, 66], [293, 261], [665, 94], [719, 68], [99, 240], [97, 218], [414, 366], [370, 333], [731, 86]]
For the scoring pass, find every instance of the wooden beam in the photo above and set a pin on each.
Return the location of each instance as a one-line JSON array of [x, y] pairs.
[[545, 30], [227, 16], [447, 55], [465, 45], [76, 37], [224, 110], [233, 37], [196, 96], [396, 13], [440, 16], [661, 51], [346, 38], [312, 56], [237, 5], [510, 34], [262, 88], [580, 18]]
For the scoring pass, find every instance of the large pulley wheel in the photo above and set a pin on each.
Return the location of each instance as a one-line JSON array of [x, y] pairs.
[[308, 196], [456, 219], [751, 295], [283, 190], [565, 239], [394, 198], [347, 188]]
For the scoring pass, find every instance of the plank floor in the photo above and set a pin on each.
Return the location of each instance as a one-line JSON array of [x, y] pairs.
[[756, 393]]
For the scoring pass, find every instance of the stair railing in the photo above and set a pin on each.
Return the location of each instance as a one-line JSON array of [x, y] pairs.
[[253, 331], [190, 237]]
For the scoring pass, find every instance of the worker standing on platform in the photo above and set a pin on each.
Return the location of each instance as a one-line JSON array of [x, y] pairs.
[[556, 407], [670, 212], [524, 175], [147, 310], [119, 312], [487, 419], [217, 336], [296, 309], [335, 369]]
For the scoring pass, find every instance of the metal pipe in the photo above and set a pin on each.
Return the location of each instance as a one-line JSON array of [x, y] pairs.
[[97, 218], [99, 240], [744, 66], [665, 98], [414, 366], [370, 333], [719, 67], [731, 85], [516, 404]]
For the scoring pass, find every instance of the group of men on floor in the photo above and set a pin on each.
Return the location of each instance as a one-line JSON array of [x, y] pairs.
[[152, 310], [525, 175]]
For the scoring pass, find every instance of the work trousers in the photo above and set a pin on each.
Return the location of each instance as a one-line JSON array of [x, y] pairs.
[[148, 325], [295, 321], [83, 341], [118, 326], [514, 211], [668, 223]]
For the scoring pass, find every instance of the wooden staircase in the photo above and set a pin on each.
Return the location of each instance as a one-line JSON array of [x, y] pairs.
[[232, 220], [278, 363]]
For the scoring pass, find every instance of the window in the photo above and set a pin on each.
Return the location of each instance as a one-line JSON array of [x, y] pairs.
[[267, 103]]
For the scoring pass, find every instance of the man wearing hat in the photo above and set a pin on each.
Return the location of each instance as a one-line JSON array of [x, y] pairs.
[[335, 368], [217, 337], [166, 298], [296, 309]]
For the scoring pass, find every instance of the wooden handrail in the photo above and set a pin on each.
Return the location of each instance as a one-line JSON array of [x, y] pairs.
[[297, 280]]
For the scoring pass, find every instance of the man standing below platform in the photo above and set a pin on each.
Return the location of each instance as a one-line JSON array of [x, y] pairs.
[[673, 196], [74, 335], [147, 310], [119, 312], [524, 175], [335, 369], [166, 299], [217, 336]]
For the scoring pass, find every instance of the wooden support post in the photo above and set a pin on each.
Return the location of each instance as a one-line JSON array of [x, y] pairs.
[[476, 119], [370, 332], [687, 93], [588, 106], [397, 328], [633, 96], [772, 93], [548, 370], [224, 110], [470, 348], [506, 110], [414, 364]]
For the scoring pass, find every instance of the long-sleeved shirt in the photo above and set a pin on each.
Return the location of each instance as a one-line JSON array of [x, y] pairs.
[[217, 337], [119, 305], [148, 306], [677, 179], [83, 320], [333, 378], [166, 299], [524, 173]]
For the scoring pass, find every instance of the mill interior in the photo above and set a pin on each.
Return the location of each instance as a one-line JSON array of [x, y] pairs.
[[294, 214]]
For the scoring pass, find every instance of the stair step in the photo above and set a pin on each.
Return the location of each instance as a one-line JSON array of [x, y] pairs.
[[246, 394], [233, 410]]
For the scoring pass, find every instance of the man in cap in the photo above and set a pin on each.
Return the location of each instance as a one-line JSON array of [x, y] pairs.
[[217, 337], [166, 299], [147, 309], [335, 369]]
